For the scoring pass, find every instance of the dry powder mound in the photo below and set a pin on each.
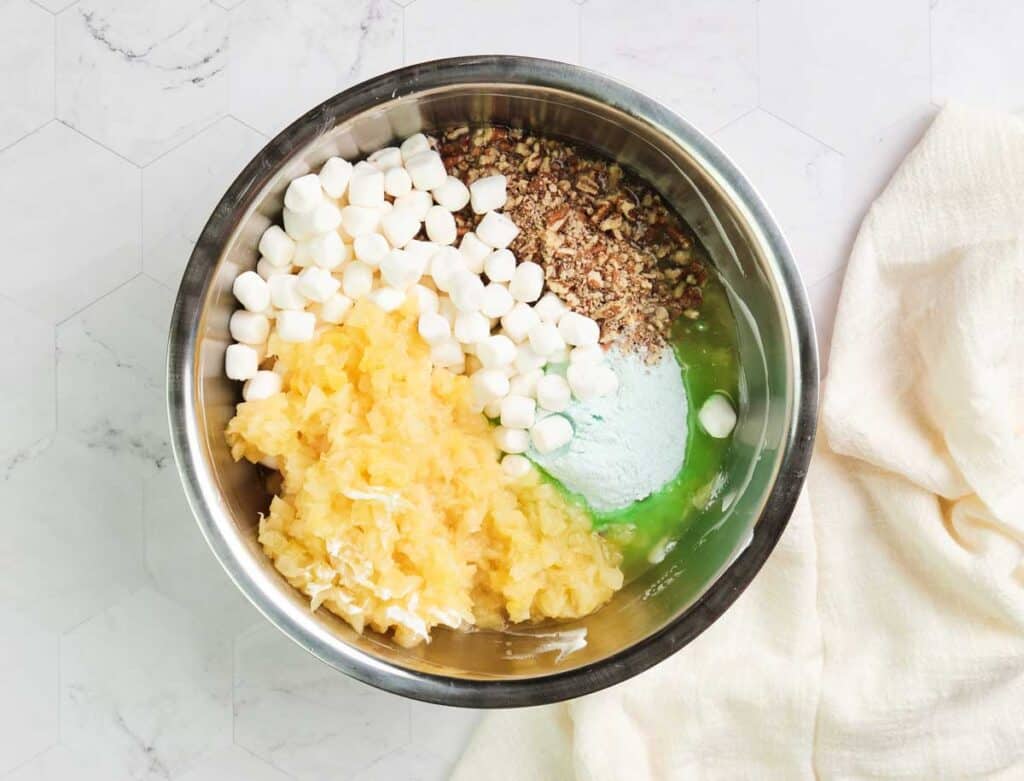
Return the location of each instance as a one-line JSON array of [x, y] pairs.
[[629, 445]]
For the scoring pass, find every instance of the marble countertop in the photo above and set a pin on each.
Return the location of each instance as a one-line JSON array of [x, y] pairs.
[[126, 652]]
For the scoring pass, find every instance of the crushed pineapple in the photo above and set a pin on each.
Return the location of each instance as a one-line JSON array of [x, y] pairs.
[[394, 512]]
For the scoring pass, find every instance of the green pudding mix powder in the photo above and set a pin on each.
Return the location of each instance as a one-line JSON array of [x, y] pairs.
[[627, 445]]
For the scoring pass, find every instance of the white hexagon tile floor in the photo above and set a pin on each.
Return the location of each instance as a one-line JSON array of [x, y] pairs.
[[131, 654], [110, 376], [287, 57], [180, 189], [26, 69], [66, 180], [28, 401], [142, 77], [640, 42]]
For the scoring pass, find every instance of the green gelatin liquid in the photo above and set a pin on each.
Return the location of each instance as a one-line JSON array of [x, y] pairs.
[[709, 361]]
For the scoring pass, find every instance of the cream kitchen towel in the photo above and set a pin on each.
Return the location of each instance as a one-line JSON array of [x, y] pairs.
[[885, 636]]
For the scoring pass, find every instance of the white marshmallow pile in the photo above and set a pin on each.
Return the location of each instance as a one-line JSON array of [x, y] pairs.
[[350, 232]]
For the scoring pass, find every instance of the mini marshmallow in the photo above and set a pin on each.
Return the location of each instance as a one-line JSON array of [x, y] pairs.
[[500, 265], [426, 299], [561, 355], [356, 280], [527, 360], [488, 385], [518, 411], [371, 248], [261, 349], [266, 270], [474, 251], [249, 327], [363, 167], [414, 145], [553, 392], [447, 309], [423, 251], [585, 380], [492, 409], [304, 194], [588, 353], [296, 326], [550, 308], [335, 309], [317, 284], [433, 328], [252, 291], [298, 225], [400, 269], [326, 217], [452, 195], [285, 294], [359, 220], [397, 182], [467, 291], [487, 194], [578, 330], [550, 433], [471, 327], [525, 384], [545, 339], [511, 440], [400, 226], [518, 322], [388, 157], [497, 301], [447, 353], [717, 416], [387, 298], [366, 188], [527, 282], [496, 230], [277, 246], [241, 362], [326, 251], [417, 202], [496, 351], [303, 253], [262, 385], [335, 175], [346, 252], [426, 169], [440, 225], [515, 466]]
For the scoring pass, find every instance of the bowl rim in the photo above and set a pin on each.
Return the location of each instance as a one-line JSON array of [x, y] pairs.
[[204, 498]]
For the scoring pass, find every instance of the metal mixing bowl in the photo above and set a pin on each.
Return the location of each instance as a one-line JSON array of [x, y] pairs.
[[716, 557]]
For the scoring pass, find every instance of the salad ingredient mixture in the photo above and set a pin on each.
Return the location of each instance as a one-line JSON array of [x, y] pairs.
[[459, 357]]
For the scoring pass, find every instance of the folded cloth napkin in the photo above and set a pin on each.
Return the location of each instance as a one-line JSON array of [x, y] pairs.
[[885, 636]]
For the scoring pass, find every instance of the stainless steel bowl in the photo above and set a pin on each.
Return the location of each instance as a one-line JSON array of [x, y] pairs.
[[655, 615]]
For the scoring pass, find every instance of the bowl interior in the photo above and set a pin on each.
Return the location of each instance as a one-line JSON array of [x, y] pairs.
[[676, 593]]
